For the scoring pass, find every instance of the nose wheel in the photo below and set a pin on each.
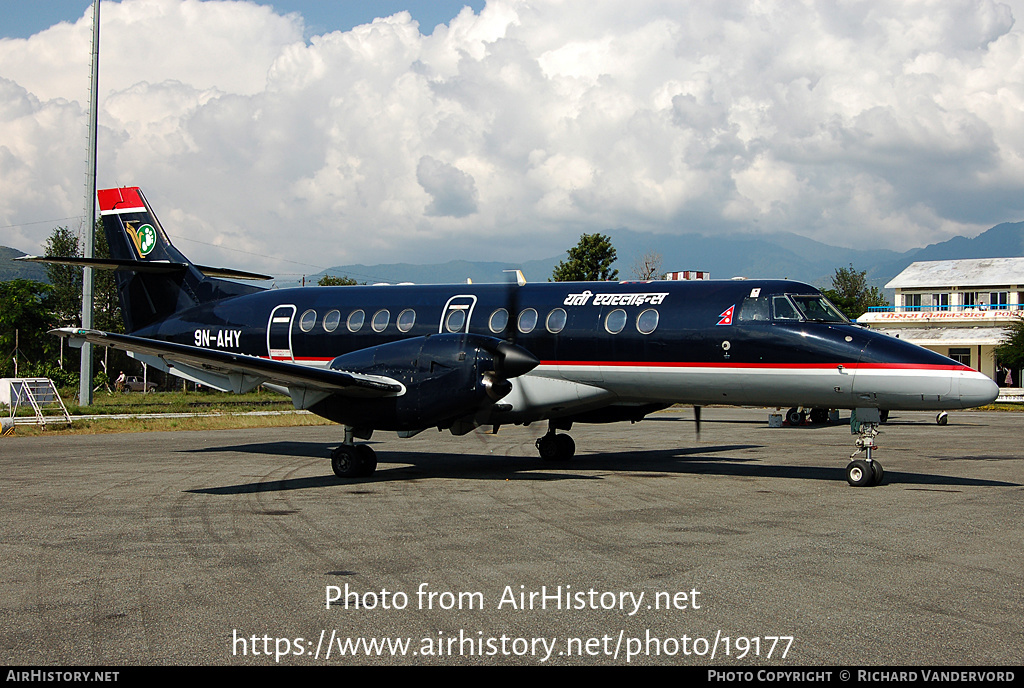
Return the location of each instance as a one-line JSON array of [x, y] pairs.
[[861, 473], [865, 472]]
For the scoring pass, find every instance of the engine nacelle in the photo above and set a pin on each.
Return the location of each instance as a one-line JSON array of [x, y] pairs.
[[446, 376]]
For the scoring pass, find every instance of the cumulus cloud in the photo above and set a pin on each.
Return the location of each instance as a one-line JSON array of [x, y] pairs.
[[859, 124], [452, 191]]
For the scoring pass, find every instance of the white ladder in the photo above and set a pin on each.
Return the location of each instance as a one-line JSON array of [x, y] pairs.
[[41, 394]]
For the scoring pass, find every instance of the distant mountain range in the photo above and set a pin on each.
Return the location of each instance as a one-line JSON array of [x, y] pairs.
[[11, 270], [724, 256]]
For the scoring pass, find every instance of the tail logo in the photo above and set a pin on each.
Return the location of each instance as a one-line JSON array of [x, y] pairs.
[[144, 238]]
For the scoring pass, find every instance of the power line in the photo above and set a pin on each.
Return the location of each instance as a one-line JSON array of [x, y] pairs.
[[42, 222]]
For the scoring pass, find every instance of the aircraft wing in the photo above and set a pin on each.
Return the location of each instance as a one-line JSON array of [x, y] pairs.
[[240, 372]]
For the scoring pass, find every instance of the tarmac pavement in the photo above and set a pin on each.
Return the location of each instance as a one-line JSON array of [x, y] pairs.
[[744, 549]]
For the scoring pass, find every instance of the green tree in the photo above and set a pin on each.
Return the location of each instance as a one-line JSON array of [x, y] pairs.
[[589, 260], [106, 314], [332, 281], [65, 299], [851, 293], [1010, 352], [25, 319]]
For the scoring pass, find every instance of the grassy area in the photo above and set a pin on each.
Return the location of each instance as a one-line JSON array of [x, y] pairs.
[[119, 425], [105, 403], [228, 406]]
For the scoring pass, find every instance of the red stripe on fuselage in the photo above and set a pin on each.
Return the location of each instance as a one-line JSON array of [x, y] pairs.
[[778, 366], [719, 364]]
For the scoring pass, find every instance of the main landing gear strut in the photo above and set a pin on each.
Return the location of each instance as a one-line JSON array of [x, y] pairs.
[[352, 460], [865, 472]]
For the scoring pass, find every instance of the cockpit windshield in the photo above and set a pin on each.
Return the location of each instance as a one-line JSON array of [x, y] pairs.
[[817, 308], [790, 308]]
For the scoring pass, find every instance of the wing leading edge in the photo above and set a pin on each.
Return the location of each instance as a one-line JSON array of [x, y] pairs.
[[240, 372]]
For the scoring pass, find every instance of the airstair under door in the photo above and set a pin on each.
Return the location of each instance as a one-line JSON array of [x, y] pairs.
[[279, 333]]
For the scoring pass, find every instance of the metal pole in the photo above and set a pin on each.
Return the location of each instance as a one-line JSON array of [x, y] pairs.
[[85, 372]]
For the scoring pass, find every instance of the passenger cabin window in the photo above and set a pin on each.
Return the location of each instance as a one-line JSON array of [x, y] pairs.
[[647, 321], [527, 320], [406, 319], [615, 321], [332, 320], [307, 320], [455, 321], [380, 320], [355, 320], [498, 321], [556, 321]]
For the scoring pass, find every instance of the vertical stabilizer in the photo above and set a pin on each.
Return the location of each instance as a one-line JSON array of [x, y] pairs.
[[162, 280]]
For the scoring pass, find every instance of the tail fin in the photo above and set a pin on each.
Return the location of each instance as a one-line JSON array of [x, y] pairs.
[[154, 279]]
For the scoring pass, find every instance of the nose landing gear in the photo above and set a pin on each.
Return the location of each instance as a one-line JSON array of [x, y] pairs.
[[865, 472]]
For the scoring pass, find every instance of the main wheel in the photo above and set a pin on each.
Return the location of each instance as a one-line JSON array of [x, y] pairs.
[[859, 474], [556, 447], [547, 445], [795, 416], [942, 418], [346, 461], [819, 416], [566, 447], [368, 457]]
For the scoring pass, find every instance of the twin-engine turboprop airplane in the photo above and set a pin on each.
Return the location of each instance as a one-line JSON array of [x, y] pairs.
[[457, 357]]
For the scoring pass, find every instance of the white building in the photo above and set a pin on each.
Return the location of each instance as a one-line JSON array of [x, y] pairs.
[[958, 308]]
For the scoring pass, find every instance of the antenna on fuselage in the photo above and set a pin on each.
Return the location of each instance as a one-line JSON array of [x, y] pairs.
[[520, 277]]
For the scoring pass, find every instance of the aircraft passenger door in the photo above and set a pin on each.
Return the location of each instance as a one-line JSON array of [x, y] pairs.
[[457, 314], [279, 333]]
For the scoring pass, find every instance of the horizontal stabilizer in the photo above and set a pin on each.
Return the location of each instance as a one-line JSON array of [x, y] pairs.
[[146, 266]]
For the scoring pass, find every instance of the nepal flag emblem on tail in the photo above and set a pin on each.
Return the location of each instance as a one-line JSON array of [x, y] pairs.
[[726, 317]]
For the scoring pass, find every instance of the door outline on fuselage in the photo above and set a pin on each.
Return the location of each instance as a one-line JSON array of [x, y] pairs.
[[460, 302], [281, 326]]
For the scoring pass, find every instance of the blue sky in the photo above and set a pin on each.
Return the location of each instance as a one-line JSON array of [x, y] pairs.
[[22, 18]]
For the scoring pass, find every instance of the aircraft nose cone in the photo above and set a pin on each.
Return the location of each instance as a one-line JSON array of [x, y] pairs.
[[977, 389]]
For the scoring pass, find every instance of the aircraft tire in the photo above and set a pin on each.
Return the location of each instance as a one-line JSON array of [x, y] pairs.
[[566, 447], [795, 416], [819, 416], [942, 418], [556, 447], [547, 445], [878, 471], [346, 461], [368, 458], [860, 474]]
